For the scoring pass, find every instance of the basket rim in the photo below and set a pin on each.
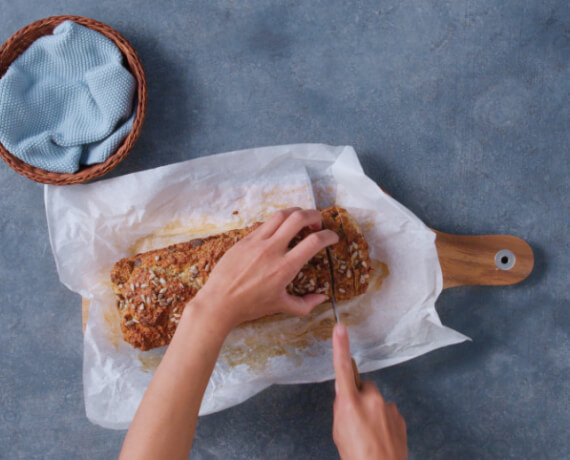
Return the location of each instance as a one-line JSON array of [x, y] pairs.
[[131, 60]]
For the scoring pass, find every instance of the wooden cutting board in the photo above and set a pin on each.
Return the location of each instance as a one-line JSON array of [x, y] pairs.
[[483, 260]]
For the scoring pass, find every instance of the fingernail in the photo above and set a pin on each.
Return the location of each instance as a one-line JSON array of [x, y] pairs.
[[322, 299], [341, 329]]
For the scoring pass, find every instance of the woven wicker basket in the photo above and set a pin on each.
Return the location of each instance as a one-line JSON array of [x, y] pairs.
[[19, 42]]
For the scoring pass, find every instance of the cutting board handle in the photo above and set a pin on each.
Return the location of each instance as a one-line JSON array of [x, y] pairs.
[[484, 260]]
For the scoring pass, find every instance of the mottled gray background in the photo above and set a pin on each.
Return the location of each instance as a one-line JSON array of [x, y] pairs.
[[458, 108]]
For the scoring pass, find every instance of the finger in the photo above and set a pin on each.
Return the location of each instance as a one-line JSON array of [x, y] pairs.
[[308, 247], [294, 223], [370, 388], [274, 222], [401, 421], [393, 409], [343, 362], [302, 306], [317, 226]]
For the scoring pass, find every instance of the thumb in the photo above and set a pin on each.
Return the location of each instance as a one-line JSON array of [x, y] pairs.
[[342, 361], [302, 306]]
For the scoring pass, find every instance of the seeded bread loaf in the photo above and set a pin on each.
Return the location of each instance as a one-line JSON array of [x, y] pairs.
[[153, 288]]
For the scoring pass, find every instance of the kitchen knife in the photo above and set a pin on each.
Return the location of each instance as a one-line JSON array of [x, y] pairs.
[[337, 318]]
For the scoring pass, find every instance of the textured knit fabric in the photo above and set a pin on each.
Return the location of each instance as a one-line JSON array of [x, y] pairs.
[[66, 101]]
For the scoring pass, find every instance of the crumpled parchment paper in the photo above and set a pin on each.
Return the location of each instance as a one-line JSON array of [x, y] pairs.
[[92, 226]]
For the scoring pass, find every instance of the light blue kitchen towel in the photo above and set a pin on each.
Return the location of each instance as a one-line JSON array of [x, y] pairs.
[[67, 100]]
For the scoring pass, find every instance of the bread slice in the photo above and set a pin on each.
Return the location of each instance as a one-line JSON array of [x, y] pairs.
[[153, 288]]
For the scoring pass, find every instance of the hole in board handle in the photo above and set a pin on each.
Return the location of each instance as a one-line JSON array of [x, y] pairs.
[[505, 259]]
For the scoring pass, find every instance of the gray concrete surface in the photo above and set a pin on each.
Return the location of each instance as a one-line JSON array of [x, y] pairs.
[[460, 109]]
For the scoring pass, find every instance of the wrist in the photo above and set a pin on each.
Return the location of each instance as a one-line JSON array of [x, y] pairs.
[[207, 313]]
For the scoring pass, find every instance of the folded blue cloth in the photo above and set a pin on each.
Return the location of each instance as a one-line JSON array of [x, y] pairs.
[[66, 101]]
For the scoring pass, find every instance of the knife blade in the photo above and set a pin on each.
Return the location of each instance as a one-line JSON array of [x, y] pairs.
[[357, 381], [333, 298]]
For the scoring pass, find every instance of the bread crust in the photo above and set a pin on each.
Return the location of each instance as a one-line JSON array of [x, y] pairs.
[[152, 288]]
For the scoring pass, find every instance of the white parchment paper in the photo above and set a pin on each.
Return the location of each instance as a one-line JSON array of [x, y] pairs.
[[92, 226]]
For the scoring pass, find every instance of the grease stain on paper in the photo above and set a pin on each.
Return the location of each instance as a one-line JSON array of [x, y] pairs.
[[111, 318], [239, 216], [149, 361], [176, 232]]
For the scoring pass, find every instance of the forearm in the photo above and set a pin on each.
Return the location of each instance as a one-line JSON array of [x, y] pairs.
[[165, 422]]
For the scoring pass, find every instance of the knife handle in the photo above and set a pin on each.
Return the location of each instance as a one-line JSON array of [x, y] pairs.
[[357, 381]]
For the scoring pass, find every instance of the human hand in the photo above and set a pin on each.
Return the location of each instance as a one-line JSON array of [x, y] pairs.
[[249, 281], [365, 426]]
